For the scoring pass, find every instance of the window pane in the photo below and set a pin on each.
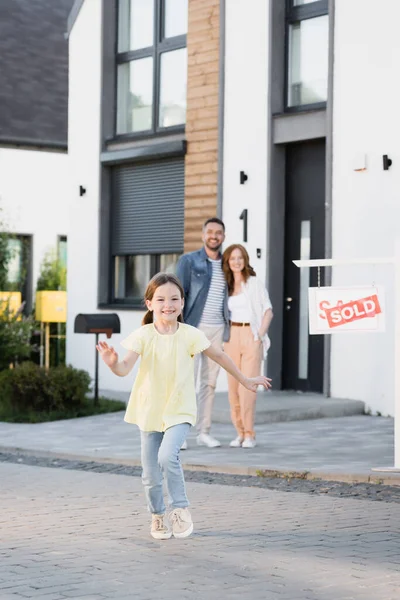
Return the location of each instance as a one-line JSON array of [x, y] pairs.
[[308, 61], [62, 251], [135, 24], [14, 267], [175, 17], [135, 95], [168, 263], [132, 274], [173, 88], [305, 249]]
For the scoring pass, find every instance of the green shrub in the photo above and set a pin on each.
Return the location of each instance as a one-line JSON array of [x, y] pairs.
[[70, 386], [29, 389], [15, 338]]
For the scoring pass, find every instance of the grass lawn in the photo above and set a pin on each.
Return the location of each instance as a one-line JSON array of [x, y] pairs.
[[87, 409]]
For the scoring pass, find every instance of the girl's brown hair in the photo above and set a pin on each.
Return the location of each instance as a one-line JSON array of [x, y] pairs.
[[247, 272], [154, 283]]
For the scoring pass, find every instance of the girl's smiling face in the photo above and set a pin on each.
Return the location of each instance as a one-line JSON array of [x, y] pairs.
[[167, 303]]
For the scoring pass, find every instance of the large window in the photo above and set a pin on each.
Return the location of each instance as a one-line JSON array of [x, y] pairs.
[[147, 225], [151, 66], [307, 53]]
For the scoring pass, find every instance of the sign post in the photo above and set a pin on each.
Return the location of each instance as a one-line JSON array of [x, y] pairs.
[[356, 319]]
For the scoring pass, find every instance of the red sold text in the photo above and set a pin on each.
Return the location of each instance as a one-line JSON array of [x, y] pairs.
[[364, 308]]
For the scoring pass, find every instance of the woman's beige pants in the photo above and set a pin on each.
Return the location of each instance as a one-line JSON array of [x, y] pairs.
[[246, 353]]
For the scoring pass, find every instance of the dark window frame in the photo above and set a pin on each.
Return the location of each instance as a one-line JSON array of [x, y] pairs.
[[131, 302], [294, 14], [134, 302], [161, 44]]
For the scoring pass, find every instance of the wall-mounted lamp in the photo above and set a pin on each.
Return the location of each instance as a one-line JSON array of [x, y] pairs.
[[387, 162], [243, 177], [82, 190]]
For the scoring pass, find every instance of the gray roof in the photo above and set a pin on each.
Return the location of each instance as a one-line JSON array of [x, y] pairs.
[[34, 72]]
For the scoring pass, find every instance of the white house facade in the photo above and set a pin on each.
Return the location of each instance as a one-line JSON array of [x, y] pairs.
[[34, 177], [290, 111]]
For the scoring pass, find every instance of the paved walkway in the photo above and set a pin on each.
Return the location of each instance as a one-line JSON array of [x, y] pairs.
[[73, 534], [345, 447]]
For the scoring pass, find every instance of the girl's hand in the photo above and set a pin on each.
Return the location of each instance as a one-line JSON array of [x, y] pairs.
[[252, 383], [107, 353]]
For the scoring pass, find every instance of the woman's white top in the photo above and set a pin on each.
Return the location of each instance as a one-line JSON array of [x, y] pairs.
[[258, 302], [239, 308]]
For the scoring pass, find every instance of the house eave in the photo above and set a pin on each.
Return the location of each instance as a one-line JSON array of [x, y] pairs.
[[73, 15]]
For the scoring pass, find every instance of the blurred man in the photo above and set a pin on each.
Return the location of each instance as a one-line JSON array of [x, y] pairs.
[[206, 307]]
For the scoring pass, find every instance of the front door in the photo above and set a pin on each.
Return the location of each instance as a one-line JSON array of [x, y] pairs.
[[303, 355]]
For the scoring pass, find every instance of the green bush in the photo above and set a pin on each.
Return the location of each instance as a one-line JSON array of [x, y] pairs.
[[30, 394], [29, 388], [15, 338]]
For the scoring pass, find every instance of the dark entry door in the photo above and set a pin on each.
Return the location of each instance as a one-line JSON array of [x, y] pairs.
[[303, 355]]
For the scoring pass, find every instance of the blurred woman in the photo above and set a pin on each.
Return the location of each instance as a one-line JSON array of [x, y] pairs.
[[250, 317]]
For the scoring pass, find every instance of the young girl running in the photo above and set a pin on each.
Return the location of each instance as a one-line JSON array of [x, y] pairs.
[[163, 399]]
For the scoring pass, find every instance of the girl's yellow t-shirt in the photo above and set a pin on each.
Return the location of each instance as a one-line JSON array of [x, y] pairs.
[[164, 390]]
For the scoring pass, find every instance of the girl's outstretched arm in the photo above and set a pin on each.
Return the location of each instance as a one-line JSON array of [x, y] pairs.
[[251, 383], [110, 357]]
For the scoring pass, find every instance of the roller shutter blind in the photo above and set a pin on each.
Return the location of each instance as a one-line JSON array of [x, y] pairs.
[[148, 207]]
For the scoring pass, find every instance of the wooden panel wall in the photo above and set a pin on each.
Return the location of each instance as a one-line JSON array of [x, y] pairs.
[[201, 162]]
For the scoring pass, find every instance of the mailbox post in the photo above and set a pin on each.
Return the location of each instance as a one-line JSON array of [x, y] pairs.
[[97, 323]]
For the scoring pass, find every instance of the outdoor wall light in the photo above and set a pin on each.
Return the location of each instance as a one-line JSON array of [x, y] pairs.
[[82, 190], [387, 162], [243, 177]]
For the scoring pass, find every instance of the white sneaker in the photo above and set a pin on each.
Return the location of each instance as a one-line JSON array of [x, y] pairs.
[[249, 443], [204, 439], [237, 442], [181, 521], [160, 529], [184, 445]]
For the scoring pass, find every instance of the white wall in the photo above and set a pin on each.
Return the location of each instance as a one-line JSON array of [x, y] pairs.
[[84, 150], [34, 198], [245, 148], [246, 128], [366, 205]]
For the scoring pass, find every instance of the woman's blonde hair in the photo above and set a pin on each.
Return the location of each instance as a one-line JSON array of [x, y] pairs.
[[154, 283], [247, 271]]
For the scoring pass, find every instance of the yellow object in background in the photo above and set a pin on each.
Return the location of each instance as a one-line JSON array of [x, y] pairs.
[[51, 307], [12, 300]]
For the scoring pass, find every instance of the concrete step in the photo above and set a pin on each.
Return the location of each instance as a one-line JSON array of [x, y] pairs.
[[278, 406]]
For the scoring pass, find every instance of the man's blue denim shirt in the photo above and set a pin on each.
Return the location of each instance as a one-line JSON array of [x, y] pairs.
[[194, 271]]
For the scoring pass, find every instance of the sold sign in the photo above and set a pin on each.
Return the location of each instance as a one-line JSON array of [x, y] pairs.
[[353, 309], [365, 308]]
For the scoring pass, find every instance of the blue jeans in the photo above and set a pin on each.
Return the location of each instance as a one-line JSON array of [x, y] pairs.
[[160, 455]]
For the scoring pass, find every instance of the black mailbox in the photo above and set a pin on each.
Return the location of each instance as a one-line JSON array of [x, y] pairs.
[[97, 323], [107, 323]]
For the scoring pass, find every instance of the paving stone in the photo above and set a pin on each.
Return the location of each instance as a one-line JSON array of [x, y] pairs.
[[344, 446], [92, 531]]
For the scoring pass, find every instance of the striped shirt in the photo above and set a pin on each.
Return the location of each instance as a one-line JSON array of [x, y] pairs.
[[213, 312]]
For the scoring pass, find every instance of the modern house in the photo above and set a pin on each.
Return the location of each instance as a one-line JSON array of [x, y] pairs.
[[274, 115], [33, 134]]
